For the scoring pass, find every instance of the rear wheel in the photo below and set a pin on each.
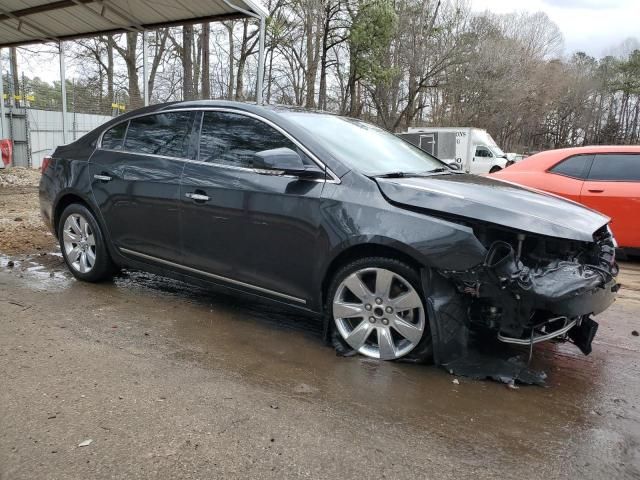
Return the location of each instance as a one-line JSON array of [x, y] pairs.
[[377, 309], [495, 169], [83, 245]]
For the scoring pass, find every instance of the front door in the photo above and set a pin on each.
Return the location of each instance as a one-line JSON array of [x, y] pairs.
[[613, 188], [136, 182], [261, 230], [482, 160]]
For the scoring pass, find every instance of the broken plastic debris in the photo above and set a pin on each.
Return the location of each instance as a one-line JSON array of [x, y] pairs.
[[455, 381], [86, 443]]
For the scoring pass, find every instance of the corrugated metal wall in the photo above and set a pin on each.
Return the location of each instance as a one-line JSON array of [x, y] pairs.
[[44, 132]]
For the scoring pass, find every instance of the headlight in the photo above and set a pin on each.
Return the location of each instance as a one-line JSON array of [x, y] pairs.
[[613, 238]]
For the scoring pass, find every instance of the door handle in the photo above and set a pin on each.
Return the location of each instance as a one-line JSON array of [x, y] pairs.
[[102, 177], [198, 197], [595, 190]]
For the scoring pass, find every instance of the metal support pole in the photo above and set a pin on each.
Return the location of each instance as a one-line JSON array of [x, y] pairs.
[[2, 112], [262, 19], [145, 69], [63, 91], [260, 84]]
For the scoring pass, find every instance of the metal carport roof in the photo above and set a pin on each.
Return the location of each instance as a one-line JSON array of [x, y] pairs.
[[40, 21], [35, 21]]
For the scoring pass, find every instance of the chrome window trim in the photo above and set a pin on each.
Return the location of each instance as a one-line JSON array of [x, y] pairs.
[[165, 157], [213, 275], [314, 158], [217, 165]]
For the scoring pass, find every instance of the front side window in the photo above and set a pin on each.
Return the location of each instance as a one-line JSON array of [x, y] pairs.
[[166, 134], [112, 138], [483, 152], [616, 168], [233, 139], [574, 167]]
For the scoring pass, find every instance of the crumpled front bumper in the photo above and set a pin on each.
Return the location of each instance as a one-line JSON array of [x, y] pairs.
[[529, 306], [590, 302]]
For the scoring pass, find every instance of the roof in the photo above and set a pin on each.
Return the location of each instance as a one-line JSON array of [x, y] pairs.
[[36, 21], [546, 159], [269, 112]]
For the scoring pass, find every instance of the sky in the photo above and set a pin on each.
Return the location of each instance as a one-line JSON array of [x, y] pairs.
[[591, 26]]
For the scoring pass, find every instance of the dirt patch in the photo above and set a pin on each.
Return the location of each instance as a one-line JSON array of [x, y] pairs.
[[21, 227], [19, 177]]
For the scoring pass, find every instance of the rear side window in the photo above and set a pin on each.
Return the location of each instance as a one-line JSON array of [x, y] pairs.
[[112, 138], [233, 139], [616, 168], [165, 134], [575, 167]]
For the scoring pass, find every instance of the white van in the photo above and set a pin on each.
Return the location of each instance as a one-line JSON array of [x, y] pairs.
[[472, 149]]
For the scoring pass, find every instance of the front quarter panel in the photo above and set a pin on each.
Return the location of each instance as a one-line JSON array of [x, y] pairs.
[[356, 213]]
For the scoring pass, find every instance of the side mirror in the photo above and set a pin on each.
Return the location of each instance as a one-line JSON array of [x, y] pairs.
[[454, 166], [284, 161]]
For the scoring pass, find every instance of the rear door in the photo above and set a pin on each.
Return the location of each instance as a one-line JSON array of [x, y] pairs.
[[136, 182], [261, 230], [613, 188], [428, 143]]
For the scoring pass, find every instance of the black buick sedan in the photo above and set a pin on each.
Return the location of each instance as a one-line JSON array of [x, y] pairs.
[[399, 254]]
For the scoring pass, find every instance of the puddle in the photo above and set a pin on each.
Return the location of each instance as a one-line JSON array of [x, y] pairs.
[[42, 272]]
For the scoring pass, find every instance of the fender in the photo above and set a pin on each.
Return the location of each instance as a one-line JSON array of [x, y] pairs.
[[500, 162]]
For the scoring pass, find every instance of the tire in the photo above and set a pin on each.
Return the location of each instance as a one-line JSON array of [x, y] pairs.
[[83, 245], [374, 324], [495, 169]]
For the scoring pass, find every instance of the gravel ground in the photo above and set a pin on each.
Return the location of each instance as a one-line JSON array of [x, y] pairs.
[[21, 227], [19, 177]]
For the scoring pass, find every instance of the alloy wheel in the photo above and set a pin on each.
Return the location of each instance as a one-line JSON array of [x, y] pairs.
[[79, 243], [378, 313]]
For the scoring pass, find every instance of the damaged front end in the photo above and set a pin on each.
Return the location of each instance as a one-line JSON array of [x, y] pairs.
[[529, 288]]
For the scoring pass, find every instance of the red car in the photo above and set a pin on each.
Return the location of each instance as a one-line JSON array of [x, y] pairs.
[[604, 178]]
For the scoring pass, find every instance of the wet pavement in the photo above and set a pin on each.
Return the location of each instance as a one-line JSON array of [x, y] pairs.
[[173, 381]]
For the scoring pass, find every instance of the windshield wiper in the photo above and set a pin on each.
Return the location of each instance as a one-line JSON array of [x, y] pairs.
[[426, 173], [394, 175]]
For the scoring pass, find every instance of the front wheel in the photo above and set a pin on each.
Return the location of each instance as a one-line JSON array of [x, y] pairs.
[[378, 311], [495, 169], [83, 245]]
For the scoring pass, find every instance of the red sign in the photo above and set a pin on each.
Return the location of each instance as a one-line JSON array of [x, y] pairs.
[[6, 147]]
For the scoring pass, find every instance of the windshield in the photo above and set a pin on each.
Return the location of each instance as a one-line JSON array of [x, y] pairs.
[[493, 146], [497, 151], [365, 147]]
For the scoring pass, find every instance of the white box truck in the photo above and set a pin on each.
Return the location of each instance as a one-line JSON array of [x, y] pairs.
[[471, 149]]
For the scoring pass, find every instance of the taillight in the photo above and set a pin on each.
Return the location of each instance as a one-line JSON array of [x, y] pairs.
[[46, 160]]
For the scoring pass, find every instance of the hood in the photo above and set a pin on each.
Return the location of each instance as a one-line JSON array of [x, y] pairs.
[[497, 202]]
